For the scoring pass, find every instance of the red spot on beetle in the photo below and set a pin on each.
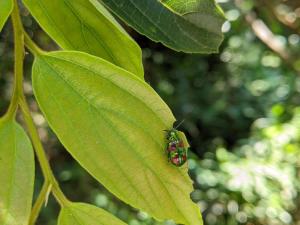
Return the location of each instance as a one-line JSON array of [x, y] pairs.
[[175, 160], [172, 147]]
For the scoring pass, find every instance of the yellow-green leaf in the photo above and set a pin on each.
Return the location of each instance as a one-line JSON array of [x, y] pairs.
[[85, 214], [113, 124], [16, 174], [6, 7], [83, 26]]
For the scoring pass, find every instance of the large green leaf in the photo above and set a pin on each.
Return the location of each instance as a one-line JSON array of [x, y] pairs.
[[113, 124], [6, 7], [185, 25], [79, 25], [85, 214], [16, 174]]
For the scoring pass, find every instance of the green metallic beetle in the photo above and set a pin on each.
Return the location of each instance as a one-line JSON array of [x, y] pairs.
[[177, 152]]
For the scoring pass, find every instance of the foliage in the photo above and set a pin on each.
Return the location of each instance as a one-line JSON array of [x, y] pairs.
[[16, 173], [189, 26], [241, 118], [96, 101], [89, 29], [5, 10], [259, 182], [129, 113], [80, 214]]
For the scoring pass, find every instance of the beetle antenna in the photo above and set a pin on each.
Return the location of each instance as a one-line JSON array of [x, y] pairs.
[[179, 124]]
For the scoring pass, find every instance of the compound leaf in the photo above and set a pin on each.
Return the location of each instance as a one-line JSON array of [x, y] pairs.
[[85, 214], [113, 124], [16, 174], [6, 7], [80, 25], [192, 26]]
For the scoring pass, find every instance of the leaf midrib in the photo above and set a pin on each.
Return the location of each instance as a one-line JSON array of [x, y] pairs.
[[90, 104], [113, 157], [105, 78], [91, 158], [82, 22], [78, 139], [55, 26]]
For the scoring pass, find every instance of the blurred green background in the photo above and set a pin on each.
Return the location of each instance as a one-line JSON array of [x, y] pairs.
[[241, 110]]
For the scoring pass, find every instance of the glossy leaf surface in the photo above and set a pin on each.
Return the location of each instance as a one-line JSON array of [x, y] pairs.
[[113, 124]]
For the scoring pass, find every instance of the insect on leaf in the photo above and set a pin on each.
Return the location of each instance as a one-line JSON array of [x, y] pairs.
[[85, 214], [6, 7], [192, 26], [16, 174], [80, 25], [113, 124]]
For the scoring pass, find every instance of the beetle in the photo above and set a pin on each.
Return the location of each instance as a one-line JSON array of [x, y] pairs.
[[176, 151]]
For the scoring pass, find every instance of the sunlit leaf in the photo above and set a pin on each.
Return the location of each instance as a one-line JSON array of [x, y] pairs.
[[16, 174], [85, 214], [184, 25], [6, 7], [113, 124], [80, 25]]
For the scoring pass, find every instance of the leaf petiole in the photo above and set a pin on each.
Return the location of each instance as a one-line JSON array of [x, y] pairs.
[[39, 203], [32, 47], [39, 150]]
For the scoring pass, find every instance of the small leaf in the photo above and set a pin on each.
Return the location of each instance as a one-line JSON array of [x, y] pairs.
[[85, 214], [192, 26], [113, 124], [6, 7], [80, 25], [16, 174]]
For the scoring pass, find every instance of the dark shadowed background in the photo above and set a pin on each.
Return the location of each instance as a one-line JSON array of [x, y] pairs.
[[241, 112]]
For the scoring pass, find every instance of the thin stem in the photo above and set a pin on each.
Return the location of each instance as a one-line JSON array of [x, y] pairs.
[[18, 64], [33, 48], [35, 138], [39, 203], [19, 98], [13, 106], [39, 150]]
